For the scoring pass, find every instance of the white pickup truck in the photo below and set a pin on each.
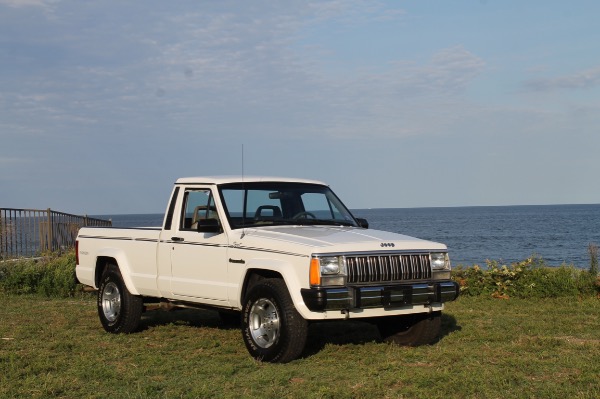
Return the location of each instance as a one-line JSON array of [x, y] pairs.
[[278, 253]]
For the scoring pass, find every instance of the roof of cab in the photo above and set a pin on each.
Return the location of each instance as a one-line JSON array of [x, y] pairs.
[[240, 179]]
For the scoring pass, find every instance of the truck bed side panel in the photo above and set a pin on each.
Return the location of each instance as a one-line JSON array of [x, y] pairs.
[[133, 249]]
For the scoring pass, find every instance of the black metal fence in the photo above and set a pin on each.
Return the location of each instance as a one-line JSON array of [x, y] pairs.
[[30, 232]]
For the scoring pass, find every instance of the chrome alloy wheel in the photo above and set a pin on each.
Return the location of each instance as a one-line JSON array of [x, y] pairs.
[[264, 323], [111, 302]]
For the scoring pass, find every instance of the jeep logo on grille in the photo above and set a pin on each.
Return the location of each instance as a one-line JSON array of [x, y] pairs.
[[387, 245]]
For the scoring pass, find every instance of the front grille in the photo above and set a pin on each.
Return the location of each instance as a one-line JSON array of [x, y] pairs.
[[387, 268]]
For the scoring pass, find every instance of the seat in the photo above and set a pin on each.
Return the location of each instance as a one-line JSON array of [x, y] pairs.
[[203, 212], [267, 212]]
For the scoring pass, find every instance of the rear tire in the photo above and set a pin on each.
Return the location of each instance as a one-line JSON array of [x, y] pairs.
[[272, 328], [119, 310], [411, 330]]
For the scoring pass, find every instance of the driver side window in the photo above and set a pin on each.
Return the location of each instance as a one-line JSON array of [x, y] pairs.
[[199, 204]]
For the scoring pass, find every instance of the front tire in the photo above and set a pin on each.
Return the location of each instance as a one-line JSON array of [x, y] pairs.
[[119, 310], [272, 328], [411, 330]]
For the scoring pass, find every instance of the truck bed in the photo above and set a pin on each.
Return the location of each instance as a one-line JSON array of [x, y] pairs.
[[133, 249]]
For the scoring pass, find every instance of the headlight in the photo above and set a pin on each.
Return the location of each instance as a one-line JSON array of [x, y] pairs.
[[330, 265], [440, 265], [440, 261], [327, 270]]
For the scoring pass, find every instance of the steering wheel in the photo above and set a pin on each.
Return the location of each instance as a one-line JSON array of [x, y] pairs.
[[304, 215]]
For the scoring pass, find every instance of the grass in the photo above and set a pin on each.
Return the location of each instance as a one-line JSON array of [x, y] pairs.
[[541, 339], [491, 348]]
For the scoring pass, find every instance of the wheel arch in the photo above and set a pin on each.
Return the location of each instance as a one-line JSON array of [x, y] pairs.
[[118, 259], [254, 275]]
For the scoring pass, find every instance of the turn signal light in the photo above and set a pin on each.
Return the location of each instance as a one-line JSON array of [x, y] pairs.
[[315, 272]]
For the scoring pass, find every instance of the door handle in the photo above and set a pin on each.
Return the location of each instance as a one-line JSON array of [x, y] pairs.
[[177, 238]]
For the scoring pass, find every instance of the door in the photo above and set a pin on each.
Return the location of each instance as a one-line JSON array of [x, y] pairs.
[[199, 260]]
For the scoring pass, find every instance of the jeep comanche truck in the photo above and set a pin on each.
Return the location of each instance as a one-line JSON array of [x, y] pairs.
[[277, 253]]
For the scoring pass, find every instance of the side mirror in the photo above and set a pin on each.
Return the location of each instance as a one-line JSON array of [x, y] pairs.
[[209, 226], [363, 223]]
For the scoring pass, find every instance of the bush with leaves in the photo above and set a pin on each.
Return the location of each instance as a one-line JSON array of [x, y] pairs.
[[51, 275], [530, 278]]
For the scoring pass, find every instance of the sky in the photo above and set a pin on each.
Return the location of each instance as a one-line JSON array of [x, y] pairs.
[[394, 104]]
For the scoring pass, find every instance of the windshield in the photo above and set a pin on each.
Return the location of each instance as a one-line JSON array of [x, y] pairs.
[[260, 204]]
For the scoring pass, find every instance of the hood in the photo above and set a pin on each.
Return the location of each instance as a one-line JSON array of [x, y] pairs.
[[324, 239]]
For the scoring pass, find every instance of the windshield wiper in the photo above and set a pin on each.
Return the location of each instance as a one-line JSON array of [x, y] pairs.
[[268, 222], [297, 222], [327, 222]]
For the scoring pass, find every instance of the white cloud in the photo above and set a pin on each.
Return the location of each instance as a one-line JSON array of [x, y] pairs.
[[26, 3], [580, 80], [449, 70], [353, 12], [102, 86], [8, 161], [28, 8], [228, 71]]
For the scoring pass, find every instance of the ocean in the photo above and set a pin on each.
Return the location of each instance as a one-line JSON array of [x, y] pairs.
[[560, 234]]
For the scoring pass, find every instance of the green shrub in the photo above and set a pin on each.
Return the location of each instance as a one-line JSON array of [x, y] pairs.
[[59, 279], [51, 276], [546, 282], [530, 278], [20, 276]]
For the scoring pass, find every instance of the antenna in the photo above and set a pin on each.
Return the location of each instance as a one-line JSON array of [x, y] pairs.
[[244, 200]]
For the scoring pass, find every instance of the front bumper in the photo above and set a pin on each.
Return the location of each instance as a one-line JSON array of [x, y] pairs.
[[387, 296]]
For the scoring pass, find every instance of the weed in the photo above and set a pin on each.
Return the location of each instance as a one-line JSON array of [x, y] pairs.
[[53, 275], [530, 278]]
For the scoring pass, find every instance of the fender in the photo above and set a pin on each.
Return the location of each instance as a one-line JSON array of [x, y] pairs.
[[123, 264], [286, 269]]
